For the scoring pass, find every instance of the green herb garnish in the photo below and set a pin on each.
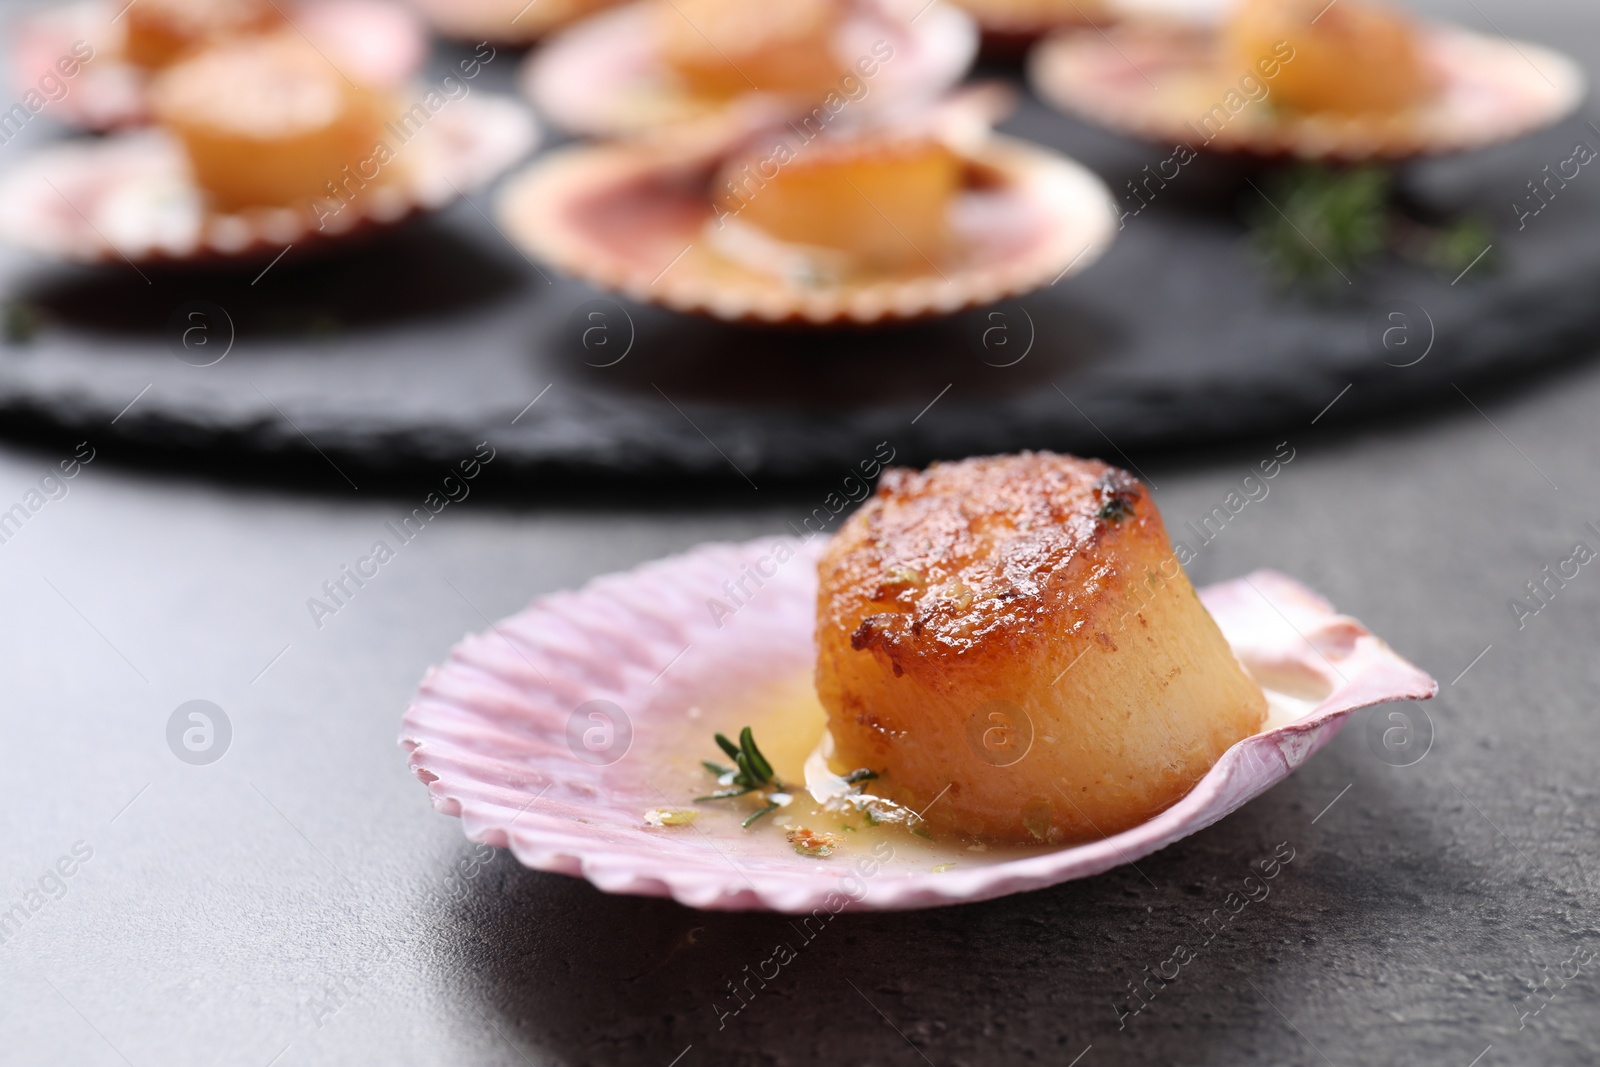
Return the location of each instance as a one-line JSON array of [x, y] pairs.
[[1115, 510], [21, 323], [1321, 225], [1316, 225], [750, 773], [772, 806], [1464, 243], [810, 843]]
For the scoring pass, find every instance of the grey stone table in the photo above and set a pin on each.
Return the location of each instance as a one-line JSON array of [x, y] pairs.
[[406, 349], [298, 902]]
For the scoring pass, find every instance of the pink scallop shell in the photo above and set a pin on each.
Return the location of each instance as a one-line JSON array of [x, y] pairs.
[[1155, 79], [1011, 26], [376, 42], [130, 196], [510, 22], [487, 731], [1044, 217], [602, 76]]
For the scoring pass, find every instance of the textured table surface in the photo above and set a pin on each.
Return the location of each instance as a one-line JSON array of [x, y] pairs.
[[407, 349], [298, 902], [300, 894]]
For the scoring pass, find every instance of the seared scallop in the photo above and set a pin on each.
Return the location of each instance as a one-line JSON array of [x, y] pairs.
[[1356, 58], [162, 31], [1012, 644], [269, 121]]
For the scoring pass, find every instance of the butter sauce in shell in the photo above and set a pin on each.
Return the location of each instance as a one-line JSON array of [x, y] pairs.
[[489, 732]]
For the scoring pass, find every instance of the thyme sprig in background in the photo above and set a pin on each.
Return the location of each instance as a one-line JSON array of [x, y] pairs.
[[1318, 225], [750, 773]]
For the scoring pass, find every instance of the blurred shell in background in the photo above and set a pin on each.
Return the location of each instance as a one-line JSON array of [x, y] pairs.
[[668, 67], [927, 215], [1352, 82], [511, 22], [371, 41]]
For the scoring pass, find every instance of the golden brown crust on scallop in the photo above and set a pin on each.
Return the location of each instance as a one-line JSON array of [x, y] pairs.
[[1032, 601], [965, 553]]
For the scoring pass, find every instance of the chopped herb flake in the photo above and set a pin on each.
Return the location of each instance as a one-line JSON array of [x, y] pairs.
[[751, 773], [1115, 509], [810, 843], [669, 817]]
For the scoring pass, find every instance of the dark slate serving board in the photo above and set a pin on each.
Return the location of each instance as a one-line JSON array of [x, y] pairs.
[[413, 347]]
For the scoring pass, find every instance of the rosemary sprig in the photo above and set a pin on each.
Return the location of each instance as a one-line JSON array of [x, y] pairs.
[[772, 806], [724, 794], [751, 773], [1320, 225], [21, 323], [1460, 245]]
